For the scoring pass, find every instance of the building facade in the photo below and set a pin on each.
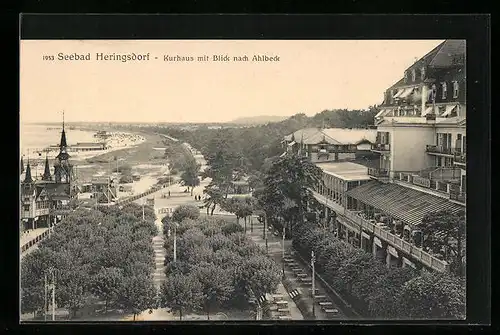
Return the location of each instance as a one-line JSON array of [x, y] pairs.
[[329, 144], [421, 135], [421, 144], [46, 199]]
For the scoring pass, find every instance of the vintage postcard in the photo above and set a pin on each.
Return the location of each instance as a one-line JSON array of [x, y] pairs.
[[229, 180]]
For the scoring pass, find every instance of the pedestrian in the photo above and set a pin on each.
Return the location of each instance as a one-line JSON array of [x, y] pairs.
[[169, 194]]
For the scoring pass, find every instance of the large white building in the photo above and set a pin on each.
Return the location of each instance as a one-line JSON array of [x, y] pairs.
[[421, 140]]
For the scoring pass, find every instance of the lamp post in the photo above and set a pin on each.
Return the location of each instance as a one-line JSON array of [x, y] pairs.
[[265, 231], [50, 275], [313, 260], [143, 202], [283, 253], [175, 241]]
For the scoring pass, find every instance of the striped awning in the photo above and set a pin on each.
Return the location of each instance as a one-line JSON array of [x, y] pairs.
[[400, 91], [400, 202], [427, 110], [449, 109], [406, 92], [383, 112]]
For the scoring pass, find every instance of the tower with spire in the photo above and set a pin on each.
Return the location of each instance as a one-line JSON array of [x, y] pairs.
[[63, 170], [46, 173]]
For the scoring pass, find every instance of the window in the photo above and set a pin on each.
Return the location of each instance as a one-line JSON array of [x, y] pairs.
[[391, 99], [406, 76], [433, 93], [26, 208], [413, 75], [455, 89], [444, 89], [422, 73]]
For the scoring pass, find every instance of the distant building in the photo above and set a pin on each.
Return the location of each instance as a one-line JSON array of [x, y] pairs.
[[92, 146], [329, 144]]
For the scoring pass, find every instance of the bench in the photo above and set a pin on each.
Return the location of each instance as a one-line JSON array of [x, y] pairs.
[[282, 303], [331, 311], [301, 275], [306, 280], [294, 294], [277, 296], [320, 297], [325, 303], [284, 317], [283, 311], [288, 260]]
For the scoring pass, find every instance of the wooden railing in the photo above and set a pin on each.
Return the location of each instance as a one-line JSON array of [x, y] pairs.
[[357, 223], [417, 253], [439, 149]]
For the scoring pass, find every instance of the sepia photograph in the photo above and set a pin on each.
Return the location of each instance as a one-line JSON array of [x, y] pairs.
[[242, 180]]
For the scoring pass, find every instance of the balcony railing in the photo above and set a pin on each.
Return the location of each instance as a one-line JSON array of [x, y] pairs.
[[417, 253], [381, 147], [439, 149], [460, 158], [434, 180], [379, 173]]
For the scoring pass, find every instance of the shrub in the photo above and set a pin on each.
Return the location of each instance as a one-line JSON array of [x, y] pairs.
[[367, 282], [183, 212]]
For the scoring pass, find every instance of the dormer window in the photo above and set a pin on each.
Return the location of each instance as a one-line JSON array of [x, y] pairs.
[[422, 73], [391, 98], [455, 89], [444, 90], [406, 76], [413, 75]]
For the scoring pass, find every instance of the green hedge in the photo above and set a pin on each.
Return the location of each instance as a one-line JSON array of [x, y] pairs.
[[375, 290]]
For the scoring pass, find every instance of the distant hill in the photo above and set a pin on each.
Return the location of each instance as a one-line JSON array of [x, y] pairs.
[[261, 119]]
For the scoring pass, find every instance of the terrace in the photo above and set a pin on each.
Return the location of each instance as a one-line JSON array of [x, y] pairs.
[[442, 181]]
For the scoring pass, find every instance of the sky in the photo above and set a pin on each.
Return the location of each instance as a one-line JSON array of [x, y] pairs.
[[309, 77]]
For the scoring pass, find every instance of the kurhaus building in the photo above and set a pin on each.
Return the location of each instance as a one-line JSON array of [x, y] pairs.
[[421, 141]]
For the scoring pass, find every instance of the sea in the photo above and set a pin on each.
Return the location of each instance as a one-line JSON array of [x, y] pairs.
[[36, 137]]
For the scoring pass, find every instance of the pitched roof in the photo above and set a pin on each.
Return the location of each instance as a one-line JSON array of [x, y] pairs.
[[334, 135], [449, 53], [345, 170], [351, 136], [401, 202], [57, 190]]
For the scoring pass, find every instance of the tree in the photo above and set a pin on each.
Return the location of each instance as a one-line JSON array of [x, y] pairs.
[[32, 299], [445, 229], [72, 288], [181, 293], [106, 284], [386, 291], [137, 293], [190, 175], [292, 177], [433, 295], [216, 286], [261, 274], [214, 197], [183, 212]]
